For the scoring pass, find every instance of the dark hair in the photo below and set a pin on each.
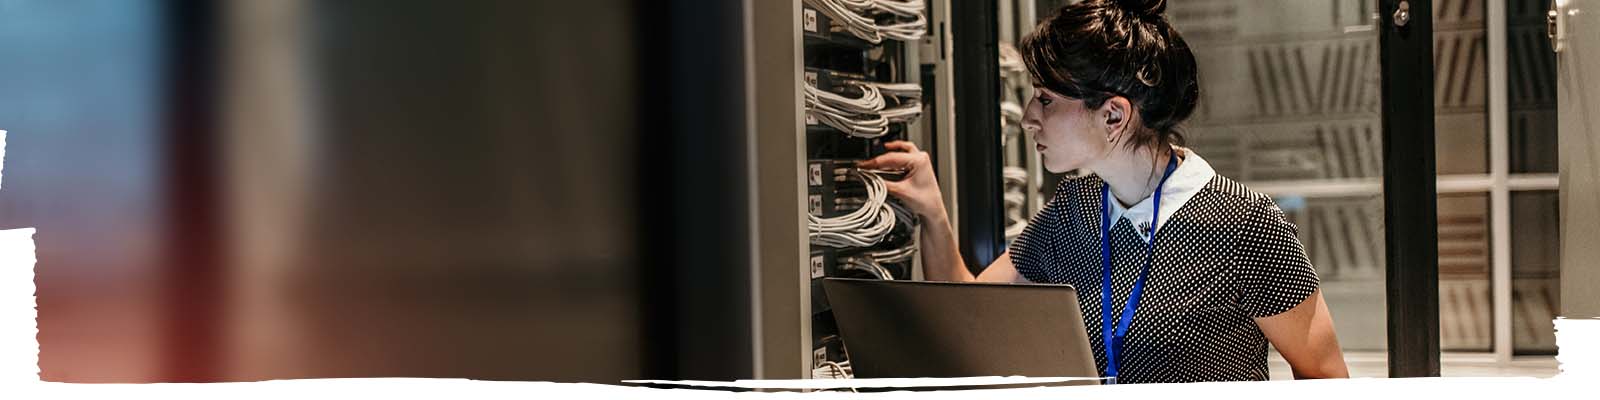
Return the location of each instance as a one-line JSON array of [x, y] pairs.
[[1095, 49]]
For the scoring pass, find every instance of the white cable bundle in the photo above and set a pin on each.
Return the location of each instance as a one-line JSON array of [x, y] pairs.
[[1013, 200], [892, 256], [1015, 180], [905, 112], [856, 17], [865, 116], [871, 99], [868, 265], [863, 227], [1014, 175], [904, 90], [1010, 121], [832, 370], [1015, 230], [906, 31], [1015, 223], [1011, 110], [850, 14], [1011, 60], [858, 117], [908, 94], [904, 8]]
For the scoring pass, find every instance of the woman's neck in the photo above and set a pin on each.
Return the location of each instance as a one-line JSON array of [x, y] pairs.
[[1133, 174]]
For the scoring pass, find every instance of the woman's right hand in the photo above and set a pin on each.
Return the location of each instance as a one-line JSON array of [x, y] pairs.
[[919, 190]]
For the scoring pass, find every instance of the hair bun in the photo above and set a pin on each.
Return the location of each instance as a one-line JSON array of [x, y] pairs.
[[1143, 8]]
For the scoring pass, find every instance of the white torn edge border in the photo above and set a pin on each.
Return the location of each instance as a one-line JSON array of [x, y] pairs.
[[1578, 347], [2, 157], [19, 341], [801, 384]]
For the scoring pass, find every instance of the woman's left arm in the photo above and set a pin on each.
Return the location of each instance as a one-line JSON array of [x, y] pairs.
[[1304, 336]]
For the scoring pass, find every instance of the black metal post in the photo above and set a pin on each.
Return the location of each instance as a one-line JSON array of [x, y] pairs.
[[975, 32], [1409, 192]]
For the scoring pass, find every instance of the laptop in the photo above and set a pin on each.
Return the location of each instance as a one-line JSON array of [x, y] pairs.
[[916, 329]]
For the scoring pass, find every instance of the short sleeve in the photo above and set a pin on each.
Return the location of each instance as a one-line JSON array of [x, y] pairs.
[[1273, 272], [1033, 253]]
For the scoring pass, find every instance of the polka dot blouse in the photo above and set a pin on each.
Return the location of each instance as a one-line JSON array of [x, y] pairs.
[[1226, 256]]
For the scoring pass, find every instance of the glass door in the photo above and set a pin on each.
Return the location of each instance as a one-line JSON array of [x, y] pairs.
[[1290, 106]]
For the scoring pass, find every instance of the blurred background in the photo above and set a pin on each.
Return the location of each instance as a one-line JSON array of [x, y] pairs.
[[242, 190]]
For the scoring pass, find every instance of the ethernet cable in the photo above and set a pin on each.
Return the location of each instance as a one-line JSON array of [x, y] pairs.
[[905, 90], [857, 18], [849, 14], [1010, 110], [868, 265], [905, 112], [871, 99], [1011, 60], [1015, 230], [1014, 175], [1013, 200], [895, 256], [1010, 121], [862, 227], [906, 31], [833, 370], [1015, 224], [858, 117], [905, 252], [866, 116], [830, 370], [904, 8], [908, 95]]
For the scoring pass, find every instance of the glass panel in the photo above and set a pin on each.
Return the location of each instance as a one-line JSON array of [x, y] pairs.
[[1460, 87], [1466, 312], [1344, 238], [1531, 84], [1290, 107], [1307, 104], [1535, 271]]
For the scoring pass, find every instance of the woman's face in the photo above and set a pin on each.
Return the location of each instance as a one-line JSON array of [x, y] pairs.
[[1065, 132]]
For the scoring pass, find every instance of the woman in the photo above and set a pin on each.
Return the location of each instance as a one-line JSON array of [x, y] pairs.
[[1214, 271]]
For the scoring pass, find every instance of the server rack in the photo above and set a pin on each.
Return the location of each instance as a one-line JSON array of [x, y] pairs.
[[859, 91], [795, 164]]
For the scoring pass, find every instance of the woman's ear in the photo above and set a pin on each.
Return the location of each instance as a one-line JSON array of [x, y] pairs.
[[1115, 114]]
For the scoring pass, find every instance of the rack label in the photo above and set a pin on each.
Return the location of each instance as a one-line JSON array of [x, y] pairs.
[[816, 267], [815, 175], [809, 20], [814, 204], [811, 79]]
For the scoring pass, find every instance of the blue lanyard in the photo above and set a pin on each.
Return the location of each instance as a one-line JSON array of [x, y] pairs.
[[1113, 337]]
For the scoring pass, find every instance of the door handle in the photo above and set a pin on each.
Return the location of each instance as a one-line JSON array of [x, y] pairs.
[[1402, 14], [1556, 21]]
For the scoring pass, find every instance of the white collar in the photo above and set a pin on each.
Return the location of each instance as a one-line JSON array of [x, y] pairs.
[[1191, 175]]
